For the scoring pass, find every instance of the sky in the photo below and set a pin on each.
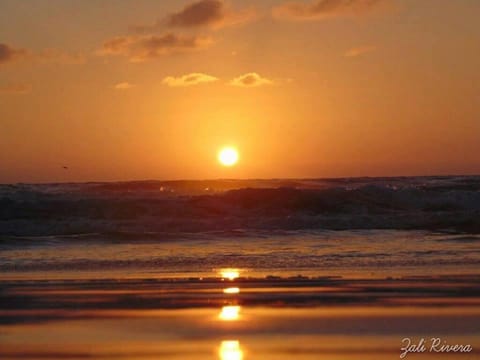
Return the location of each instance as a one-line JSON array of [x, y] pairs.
[[140, 89]]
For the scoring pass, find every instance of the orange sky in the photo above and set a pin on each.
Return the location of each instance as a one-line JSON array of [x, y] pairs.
[[144, 89]]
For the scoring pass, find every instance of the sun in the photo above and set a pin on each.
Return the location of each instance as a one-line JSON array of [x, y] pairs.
[[228, 156]]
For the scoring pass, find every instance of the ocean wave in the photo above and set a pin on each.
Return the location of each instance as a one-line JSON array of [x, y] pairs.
[[146, 209]]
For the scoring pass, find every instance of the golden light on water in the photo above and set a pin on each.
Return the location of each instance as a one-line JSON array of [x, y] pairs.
[[231, 290], [230, 313], [230, 350], [228, 156], [230, 274]]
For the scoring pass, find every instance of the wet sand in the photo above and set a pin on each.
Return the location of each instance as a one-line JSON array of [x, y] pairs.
[[237, 318]]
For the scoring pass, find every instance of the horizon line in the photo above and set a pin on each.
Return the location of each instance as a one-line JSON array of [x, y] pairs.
[[237, 179]]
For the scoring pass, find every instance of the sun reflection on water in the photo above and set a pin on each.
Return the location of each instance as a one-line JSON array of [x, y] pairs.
[[230, 274], [229, 313], [231, 290], [230, 350]]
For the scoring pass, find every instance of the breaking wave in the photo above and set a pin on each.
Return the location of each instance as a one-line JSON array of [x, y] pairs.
[[155, 208]]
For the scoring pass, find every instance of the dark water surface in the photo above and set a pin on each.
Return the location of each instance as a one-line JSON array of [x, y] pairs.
[[230, 270]]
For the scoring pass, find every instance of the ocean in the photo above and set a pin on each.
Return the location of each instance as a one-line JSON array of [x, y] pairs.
[[240, 269]]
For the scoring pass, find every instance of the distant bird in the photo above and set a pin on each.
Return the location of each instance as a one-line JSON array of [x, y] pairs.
[[65, 167]]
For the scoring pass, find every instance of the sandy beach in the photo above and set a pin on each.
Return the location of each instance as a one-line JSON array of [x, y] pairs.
[[243, 318]]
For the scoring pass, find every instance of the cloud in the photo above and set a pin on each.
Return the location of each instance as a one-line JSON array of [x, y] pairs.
[[10, 54], [358, 51], [322, 9], [250, 80], [143, 48], [116, 46], [214, 13], [15, 88], [189, 80], [203, 13], [123, 86], [200, 13], [60, 57]]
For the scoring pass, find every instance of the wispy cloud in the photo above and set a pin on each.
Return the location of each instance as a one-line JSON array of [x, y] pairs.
[[359, 50], [204, 13], [15, 88], [60, 57], [124, 86], [10, 54], [322, 9], [164, 37], [189, 80], [250, 80], [143, 48]]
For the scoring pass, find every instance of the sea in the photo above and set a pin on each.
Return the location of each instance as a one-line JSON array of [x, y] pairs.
[[344, 268]]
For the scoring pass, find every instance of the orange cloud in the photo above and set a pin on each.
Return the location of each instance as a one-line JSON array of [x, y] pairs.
[[200, 13], [123, 86], [321, 9], [60, 57], [15, 88], [189, 80], [358, 51], [213, 13], [10, 54], [116, 46], [143, 48], [250, 80], [204, 13]]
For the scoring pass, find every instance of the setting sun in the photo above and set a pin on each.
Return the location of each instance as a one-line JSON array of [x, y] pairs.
[[228, 156]]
